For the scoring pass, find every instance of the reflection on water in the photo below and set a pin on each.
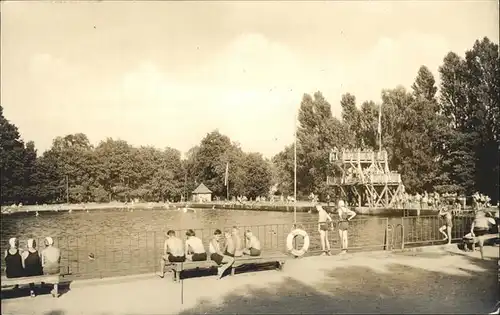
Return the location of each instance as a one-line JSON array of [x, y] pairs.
[[114, 242]]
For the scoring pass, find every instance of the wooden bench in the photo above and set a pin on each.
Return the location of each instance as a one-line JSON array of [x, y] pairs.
[[177, 268], [51, 279], [279, 258]]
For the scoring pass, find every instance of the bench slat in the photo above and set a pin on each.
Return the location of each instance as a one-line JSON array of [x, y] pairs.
[[52, 279]]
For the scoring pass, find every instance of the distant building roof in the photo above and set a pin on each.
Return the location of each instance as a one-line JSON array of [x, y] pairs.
[[202, 189]]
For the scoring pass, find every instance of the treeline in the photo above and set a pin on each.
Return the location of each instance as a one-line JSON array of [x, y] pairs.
[[445, 143], [114, 170]]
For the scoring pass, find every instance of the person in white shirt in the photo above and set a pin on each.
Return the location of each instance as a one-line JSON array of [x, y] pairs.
[[345, 215], [217, 255], [324, 220], [194, 249]]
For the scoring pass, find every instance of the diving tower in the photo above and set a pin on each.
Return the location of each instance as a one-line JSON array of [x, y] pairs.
[[363, 177]]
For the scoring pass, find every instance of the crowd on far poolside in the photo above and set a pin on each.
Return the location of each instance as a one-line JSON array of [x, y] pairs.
[[29, 262]]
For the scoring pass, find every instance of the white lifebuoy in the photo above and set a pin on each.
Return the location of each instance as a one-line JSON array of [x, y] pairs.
[[289, 242]]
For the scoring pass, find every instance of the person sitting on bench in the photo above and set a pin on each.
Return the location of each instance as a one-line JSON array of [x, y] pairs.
[[13, 260], [32, 263], [217, 255], [194, 250], [173, 251], [229, 247], [238, 243], [253, 244], [51, 258]]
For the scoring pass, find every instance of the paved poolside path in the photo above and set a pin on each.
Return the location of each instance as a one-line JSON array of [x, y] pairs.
[[435, 280]]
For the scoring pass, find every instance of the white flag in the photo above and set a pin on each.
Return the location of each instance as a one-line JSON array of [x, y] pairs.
[[227, 174]]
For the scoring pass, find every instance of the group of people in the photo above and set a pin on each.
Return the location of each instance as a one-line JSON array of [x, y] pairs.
[[481, 225], [222, 252], [325, 223], [480, 200], [483, 221], [29, 262]]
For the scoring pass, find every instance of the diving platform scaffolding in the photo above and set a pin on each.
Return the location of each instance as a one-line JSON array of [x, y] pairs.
[[363, 177]]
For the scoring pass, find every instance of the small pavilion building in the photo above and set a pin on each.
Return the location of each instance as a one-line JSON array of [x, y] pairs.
[[202, 194]]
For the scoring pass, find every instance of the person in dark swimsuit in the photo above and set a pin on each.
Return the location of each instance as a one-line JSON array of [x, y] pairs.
[[324, 221], [32, 263], [448, 224], [13, 260], [345, 215]]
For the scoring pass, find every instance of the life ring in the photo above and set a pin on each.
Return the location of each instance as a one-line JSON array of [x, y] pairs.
[[291, 237]]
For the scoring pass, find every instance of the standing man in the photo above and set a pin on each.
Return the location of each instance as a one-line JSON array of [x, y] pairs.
[[324, 223], [448, 223], [345, 215]]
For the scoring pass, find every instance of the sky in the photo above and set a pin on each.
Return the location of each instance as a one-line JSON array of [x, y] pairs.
[[167, 73]]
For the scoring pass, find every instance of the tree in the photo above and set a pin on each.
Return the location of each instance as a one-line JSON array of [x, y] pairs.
[[209, 164], [353, 120], [284, 171], [317, 134], [469, 100], [116, 172], [12, 159], [257, 176], [75, 163], [30, 191]]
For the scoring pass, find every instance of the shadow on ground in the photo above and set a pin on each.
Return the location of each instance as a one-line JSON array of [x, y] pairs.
[[398, 289], [39, 290], [204, 272]]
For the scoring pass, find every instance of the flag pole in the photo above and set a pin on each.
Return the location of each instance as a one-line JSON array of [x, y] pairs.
[[380, 128], [226, 181], [295, 174]]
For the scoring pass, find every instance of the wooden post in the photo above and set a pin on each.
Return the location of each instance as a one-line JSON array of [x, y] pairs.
[[182, 291]]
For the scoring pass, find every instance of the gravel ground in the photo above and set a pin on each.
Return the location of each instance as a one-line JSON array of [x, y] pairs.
[[442, 280]]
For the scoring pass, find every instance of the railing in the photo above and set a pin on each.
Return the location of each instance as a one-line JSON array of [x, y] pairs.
[[98, 256], [389, 178], [358, 156], [385, 178], [424, 230]]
